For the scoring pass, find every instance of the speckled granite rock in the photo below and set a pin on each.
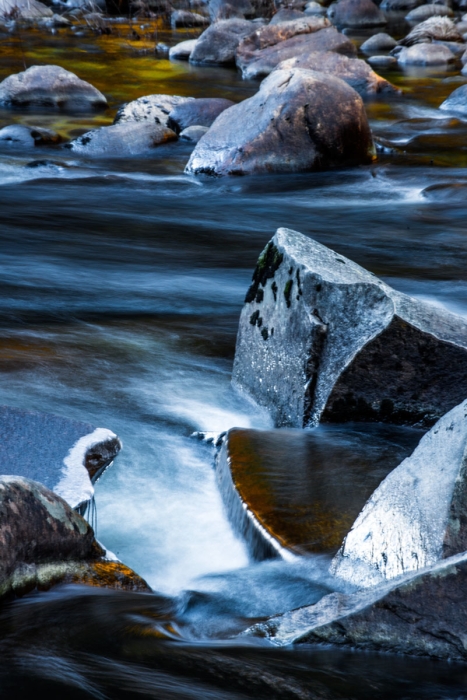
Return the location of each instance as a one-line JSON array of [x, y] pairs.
[[123, 139], [320, 338], [422, 614], [154, 109]]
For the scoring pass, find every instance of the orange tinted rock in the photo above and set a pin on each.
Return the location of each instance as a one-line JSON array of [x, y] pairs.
[[107, 574]]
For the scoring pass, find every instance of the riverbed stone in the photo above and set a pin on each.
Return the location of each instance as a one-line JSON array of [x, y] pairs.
[[425, 55], [356, 13], [457, 101], [202, 111], [353, 71], [184, 18], [22, 136], [122, 139], [193, 133], [229, 9], [382, 61], [49, 86], [298, 120], [66, 456], [377, 43], [183, 50], [432, 29], [322, 339], [218, 44], [24, 9], [286, 15], [154, 109], [420, 14], [399, 5], [417, 515], [422, 614], [258, 63], [297, 492]]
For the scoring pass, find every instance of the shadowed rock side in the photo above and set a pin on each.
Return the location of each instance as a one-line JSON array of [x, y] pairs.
[[294, 491], [425, 614], [299, 120], [64, 455], [320, 338], [418, 514], [44, 541], [218, 44]]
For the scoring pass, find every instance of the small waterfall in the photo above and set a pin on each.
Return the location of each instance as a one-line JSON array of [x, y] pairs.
[[261, 545]]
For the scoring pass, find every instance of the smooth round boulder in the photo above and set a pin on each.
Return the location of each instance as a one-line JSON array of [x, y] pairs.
[[124, 139], [420, 14], [433, 29], [425, 55], [286, 15], [356, 13], [229, 9], [184, 18], [199, 112], [193, 133], [21, 136], [378, 42], [457, 101], [314, 8], [297, 121], [218, 44], [382, 61], [183, 50], [150, 108], [49, 86]]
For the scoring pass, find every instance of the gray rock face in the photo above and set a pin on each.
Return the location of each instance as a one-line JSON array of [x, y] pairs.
[[218, 44], [420, 14], [229, 9], [184, 18], [193, 133], [64, 455], [382, 61], [49, 86], [378, 42], [183, 50], [425, 55], [417, 515], [423, 614], [24, 9], [259, 63], [353, 71], [286, 15], [356, 13], [457, 101], [299, 120], [320, 338], [314, 8], [20, 136], [200, 112], [433, 29], [397, 5], [122, 139], [154, 109]]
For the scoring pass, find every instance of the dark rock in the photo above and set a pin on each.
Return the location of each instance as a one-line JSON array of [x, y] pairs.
[[422, 614], [122, 139], [425, 55], [356, 13], [200, 112], [299, 120], [378, 42], [446, 192], [420, 14], [64, 455], [308, 508], [193, 133], [49, 86], [353, 71], [314, 8], [19, 135], [183, 50], [259, 63], [398, 5], [218, 44], [435, 28], [154, 109], [183, 18], [457, 101], [286, 15], [345, 345], [230, 9]]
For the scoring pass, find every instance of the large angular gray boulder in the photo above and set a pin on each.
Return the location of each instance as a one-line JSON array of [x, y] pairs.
[[353, 71], [258, 63], [66, 456], [422, 614], [122, 139], [320, 338], [299, 120], [218, 44], [417, 515], [49, 86], [154, 109], [356, 13]]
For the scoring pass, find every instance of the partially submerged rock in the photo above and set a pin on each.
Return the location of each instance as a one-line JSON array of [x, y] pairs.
[[422, 614], [183, 50], [49, 86], [66, 456], [420, 14], [154, 109], [433, 29], [22, 136], [356, 13], [425, 55], [218, 44], [297, 492], [299, 120], [457, 101], [184, 18], [122, 139], [286, 15], [353, 71], [378, 42], [228, 9], [417, 515], [199, 112], [322, 339], [24, 9], [193, 133]]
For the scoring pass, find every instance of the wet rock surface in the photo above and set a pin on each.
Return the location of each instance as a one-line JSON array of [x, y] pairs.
[[49, 86], [122, 139], [433, 29], [183, 50], [218, 44], [21, 136], [154, 109], [299, 120], [422, 614], [64, 455], [200, 112], [24, 9], [322, 339], [356, 13], [298, 491], [378, 42], [457, 101], [425, 55]]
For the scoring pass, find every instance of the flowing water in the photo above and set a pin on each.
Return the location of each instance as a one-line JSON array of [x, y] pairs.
[[121, 283]]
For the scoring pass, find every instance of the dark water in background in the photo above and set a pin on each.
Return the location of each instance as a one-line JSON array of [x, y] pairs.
[[121, 284]]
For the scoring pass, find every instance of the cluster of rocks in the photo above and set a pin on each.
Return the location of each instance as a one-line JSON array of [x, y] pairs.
[[322, 340]]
